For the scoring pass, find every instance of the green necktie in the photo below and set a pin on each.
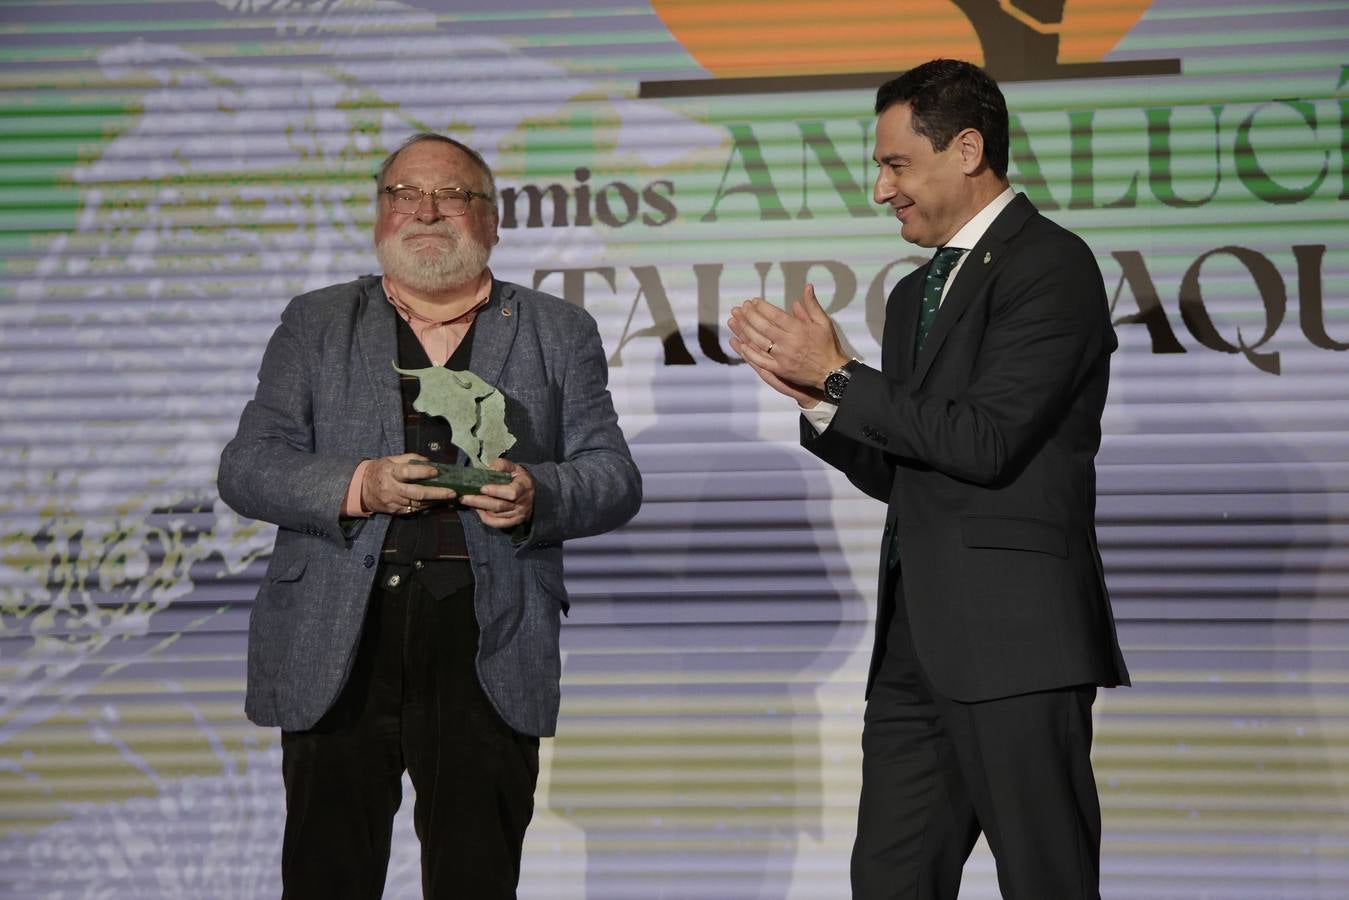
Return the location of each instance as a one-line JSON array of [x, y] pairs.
[[937, 274]]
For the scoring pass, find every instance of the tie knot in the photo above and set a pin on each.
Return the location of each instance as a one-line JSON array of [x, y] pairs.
[[946, 257]]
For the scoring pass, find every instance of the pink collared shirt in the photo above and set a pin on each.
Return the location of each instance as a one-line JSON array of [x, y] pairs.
[[439, 338]]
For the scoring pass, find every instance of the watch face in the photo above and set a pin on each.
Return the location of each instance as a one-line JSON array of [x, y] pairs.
[[835, 383]]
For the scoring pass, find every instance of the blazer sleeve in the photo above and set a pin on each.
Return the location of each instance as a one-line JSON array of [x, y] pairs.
[[270, 470], [1048, 328], [593, 486], [871, 471]]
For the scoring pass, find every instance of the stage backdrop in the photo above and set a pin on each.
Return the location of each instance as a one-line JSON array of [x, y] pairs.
[[171, 173]]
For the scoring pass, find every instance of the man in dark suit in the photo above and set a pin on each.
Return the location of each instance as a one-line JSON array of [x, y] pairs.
[[980, 431], [401, 626]]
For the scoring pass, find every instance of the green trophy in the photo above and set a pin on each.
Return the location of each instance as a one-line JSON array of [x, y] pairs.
[[476, 412]]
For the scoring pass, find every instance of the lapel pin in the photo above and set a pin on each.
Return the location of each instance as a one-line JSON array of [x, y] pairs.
[[988, 257]]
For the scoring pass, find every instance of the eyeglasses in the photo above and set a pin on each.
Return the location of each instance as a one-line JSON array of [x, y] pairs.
[[449, 202]]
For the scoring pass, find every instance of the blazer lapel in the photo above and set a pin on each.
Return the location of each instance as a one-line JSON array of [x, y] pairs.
[[377, 340], [902, 324], [494, 331], [981, 262]]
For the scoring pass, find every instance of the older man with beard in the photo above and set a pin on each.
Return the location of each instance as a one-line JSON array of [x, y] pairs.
[[400, 626]]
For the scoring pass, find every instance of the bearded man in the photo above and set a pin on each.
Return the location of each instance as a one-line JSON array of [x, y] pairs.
[[401, 626]]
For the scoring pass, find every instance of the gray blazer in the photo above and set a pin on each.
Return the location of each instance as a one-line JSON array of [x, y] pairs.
[[327, 398]]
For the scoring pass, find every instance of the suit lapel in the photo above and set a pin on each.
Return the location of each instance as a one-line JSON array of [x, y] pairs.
[[979, 264], [377, 341], [494, 331], [902, 322]]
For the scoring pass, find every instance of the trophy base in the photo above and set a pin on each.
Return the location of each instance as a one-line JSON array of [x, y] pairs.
[[464, 479]]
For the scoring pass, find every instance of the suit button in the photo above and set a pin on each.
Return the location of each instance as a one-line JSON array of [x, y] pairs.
[[418, 565], [394, 581], [369, 561]]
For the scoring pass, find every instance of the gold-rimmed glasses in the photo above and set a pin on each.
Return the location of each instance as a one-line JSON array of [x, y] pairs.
[[448, 202]]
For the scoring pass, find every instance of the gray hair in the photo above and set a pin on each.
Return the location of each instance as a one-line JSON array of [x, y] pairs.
[[421, 136]]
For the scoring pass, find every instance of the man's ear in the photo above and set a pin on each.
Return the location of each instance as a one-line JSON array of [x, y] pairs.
[[970, 145]]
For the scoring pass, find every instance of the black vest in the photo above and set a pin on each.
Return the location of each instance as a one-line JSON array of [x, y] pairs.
[[430, 544]]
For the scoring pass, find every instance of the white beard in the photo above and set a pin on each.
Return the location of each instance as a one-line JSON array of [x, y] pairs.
[[427, 272]]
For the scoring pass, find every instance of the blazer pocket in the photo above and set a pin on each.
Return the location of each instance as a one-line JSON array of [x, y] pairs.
[[552, 584], [282, 571], [1013, 533], [528, 393], [271, 622]]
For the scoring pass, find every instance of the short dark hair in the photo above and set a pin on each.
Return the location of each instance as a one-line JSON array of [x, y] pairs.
[[946, 96], [421, 136]]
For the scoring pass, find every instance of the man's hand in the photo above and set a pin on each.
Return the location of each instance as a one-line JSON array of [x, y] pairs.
[[791, 351], [504, 505], [805, 398], [389, 485]]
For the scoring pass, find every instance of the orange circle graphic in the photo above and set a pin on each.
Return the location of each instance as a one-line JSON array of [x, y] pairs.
[[758, 38]]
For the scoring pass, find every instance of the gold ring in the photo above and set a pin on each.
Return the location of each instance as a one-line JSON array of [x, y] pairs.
[[771, 345], [408, 508]]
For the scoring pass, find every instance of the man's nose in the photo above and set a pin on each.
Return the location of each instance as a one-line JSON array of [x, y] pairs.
[[426, 209], [883, 190]]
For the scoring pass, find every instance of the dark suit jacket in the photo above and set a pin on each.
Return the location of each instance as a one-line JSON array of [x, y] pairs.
[[984, 448], [327, 398]]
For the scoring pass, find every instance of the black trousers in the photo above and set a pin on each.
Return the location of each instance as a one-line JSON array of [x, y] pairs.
[[413, 702], [936, 772]]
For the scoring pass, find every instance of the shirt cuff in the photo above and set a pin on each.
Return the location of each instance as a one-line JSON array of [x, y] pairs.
[[820, 415], [352, 505]]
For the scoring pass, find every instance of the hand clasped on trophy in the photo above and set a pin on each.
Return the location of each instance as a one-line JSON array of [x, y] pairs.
[[476, 412]]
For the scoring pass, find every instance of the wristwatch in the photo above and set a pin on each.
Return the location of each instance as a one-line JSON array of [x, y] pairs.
[[836, 382]]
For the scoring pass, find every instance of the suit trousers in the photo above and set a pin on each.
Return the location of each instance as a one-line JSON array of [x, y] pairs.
[[936, 772], [413, 702]]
